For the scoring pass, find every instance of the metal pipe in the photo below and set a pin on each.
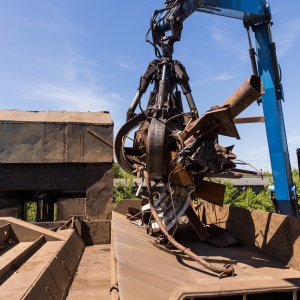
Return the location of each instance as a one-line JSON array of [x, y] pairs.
[[251, 51], [251, 90], [191, 102], [227, 270], [162, 89]]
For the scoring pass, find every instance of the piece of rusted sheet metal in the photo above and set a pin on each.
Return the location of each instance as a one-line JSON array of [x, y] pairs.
[[114, 289], [220, 115], [121, 136], [227, 270], [66, 207], [256, 272], [5, 232], [52, 262], [124, 205], [38, 137], [196, 223], [101, 117], [281, 234], [94, 232], [18, 255], [156, 149], [249, 120], [177, 174], [227, 174], [180, 176], [251, 90], [248, 172], [211, 192], [220, 237], [95, 134]]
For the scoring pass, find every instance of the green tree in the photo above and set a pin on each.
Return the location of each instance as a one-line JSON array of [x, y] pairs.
[[117, 170], [31, 209], [231, 193], [296, 180], [119, 173], [124, 190], [248, 198]]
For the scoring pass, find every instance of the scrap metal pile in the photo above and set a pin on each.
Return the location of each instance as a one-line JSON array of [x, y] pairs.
[[181, 153], [176, 149]]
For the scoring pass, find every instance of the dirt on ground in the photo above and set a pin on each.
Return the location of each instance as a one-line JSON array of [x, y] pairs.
[[92, 279]]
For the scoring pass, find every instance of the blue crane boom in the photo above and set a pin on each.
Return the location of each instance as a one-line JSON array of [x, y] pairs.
[[256, 14]]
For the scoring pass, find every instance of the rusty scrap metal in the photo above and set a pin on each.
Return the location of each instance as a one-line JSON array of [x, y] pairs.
[[204, 191], [177, 252], [95, 134], [196, 223], [179, 150], [249, 120], [228, 270], [251, 90]]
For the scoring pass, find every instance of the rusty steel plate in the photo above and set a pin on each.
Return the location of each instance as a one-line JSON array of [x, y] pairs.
[[160, 275]]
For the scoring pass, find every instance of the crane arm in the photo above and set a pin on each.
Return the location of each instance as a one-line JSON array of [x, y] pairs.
[[178, 10], [256, 14]]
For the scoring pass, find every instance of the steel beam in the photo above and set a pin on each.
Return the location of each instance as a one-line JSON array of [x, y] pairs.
[[274, 123]]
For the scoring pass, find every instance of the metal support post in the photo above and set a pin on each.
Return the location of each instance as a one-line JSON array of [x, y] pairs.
[[274, 123]]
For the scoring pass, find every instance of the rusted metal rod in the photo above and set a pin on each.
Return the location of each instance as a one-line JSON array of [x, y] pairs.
[[250, 90], [227, 270]]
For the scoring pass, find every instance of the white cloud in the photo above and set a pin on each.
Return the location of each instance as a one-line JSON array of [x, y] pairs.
[[125, 62], [261, 152], [224, 77], [76, 97], [217, 78], [224, 35], [294, 140], [286, 36], [52, 73]]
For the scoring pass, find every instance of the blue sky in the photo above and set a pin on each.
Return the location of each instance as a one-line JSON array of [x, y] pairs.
[[89, 55]]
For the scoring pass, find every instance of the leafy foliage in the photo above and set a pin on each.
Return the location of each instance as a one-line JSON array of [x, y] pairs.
[[117, 170], [246, 199], [231, 193], [296, 180], [119, 173], [31, 211], [124, 190]]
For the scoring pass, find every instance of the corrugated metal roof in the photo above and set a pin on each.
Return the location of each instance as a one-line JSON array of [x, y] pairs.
[[18, 116]]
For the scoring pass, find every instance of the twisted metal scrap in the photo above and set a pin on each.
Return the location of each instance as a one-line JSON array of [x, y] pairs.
[[228, 270]]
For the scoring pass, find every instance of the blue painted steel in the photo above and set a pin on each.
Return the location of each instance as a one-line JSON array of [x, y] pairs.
[[256, 11], [186, 9], [274, 122], [239, 9]]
